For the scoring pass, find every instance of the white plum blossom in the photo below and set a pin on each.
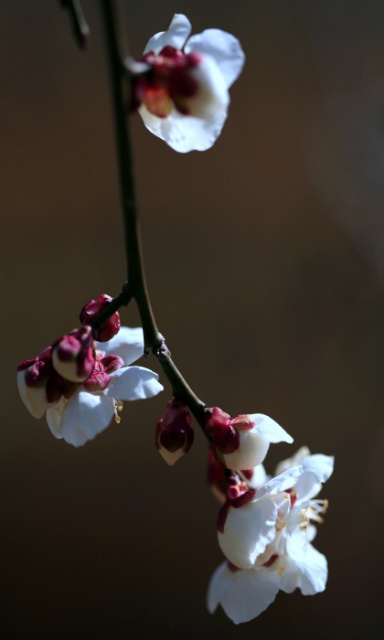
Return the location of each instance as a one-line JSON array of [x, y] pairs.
[[182, 96], [77, 412], [266, 536]]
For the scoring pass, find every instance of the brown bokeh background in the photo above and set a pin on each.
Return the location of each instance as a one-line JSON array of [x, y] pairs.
[[265, 264]]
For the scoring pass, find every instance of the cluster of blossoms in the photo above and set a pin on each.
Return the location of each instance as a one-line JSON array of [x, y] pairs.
[[265, 525], [180, 85], [265, 529], [80, 383]]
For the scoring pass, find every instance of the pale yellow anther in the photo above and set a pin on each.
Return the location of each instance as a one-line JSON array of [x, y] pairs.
[[117, 407]]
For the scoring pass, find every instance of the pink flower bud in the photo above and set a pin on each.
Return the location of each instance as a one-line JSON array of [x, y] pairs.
[[92, 310], [174, 432], [40, 386], [73, 355]]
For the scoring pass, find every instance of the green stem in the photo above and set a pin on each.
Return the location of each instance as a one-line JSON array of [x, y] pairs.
[[136, 275]]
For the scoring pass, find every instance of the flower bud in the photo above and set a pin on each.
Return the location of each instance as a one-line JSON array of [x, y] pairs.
[[174, 432], [73, 354], [244, 440], [40, 386], [92, 310]]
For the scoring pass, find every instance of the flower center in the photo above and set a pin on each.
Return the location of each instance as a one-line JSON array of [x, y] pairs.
[[168, 82]]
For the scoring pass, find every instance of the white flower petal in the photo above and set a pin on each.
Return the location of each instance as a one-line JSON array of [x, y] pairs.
[[307, 486], [128, 343], [320, 465], [83, 417], [259, 476], [247, 531], [293, 461], [176, 35], [133, 383], [219, 583], [53, 416], [289, 573], [224, 48], [243, 594], [34, 398], [282, 482], [265, 426], [212, 97], [251, 451], [311, 565], [184, 133]]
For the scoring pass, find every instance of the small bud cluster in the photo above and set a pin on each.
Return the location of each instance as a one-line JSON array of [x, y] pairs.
[[72, 360]]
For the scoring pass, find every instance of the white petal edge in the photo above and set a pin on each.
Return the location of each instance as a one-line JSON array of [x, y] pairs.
[[311, 565], [220, 581], [184, 133], [320, 465], [282, 482], [133, 383], [242, 594], [265, 426], [176, 35], [128, 343], [223, 47], [307, 486]]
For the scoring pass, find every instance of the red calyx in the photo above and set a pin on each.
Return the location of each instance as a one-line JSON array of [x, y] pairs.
[[218, 425]]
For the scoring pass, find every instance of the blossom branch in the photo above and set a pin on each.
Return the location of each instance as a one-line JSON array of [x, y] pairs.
[[136, 274]]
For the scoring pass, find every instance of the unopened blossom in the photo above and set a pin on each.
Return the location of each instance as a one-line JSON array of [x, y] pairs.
[[181, 84], [73, 354], [244, 440], [78, 411], [266, 536], [174, 432], [92, 310]]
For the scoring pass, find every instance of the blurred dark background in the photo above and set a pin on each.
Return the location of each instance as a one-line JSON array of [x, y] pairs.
[[265, 263]]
